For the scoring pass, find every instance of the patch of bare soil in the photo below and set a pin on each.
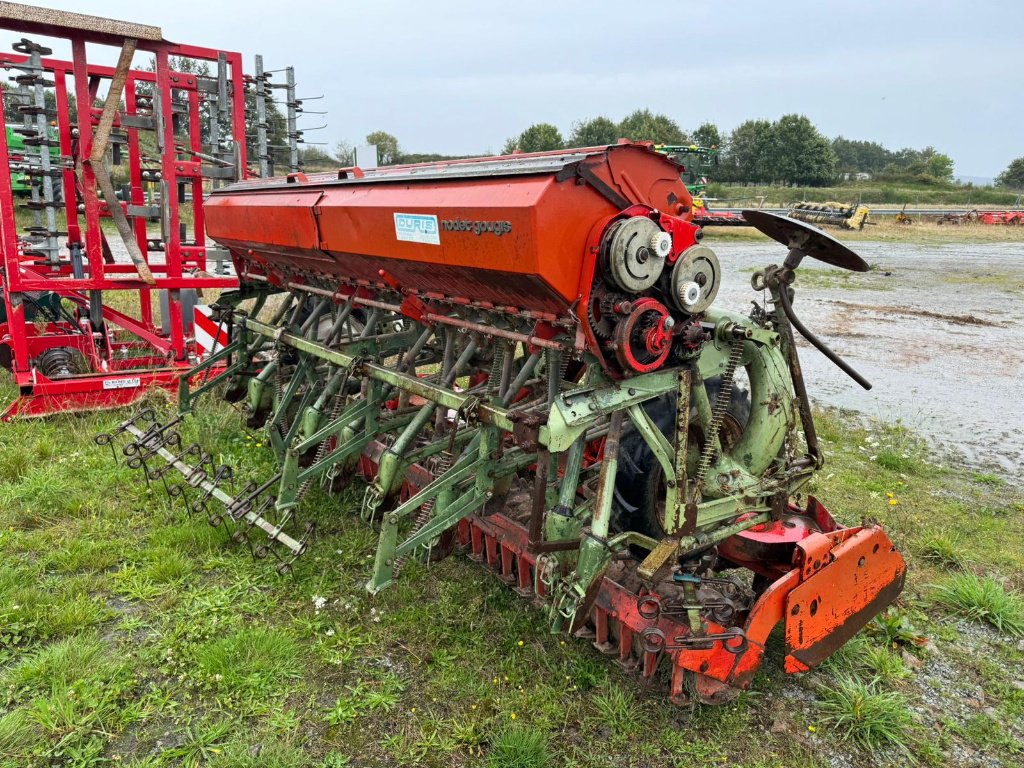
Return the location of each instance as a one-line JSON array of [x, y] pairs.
[[915, 312]]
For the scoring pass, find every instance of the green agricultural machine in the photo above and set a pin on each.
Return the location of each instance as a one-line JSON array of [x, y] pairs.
[[25, 160], [698, 163]]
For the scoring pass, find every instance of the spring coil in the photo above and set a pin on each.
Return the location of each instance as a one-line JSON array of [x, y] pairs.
[[321, 450], [497, 364], [426, 510], [282, 424], [718, 412]]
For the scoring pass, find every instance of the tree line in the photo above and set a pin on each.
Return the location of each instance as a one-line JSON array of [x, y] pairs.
[[790, 150]]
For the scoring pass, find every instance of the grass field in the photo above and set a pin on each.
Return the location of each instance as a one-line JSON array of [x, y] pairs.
[[132, 634]]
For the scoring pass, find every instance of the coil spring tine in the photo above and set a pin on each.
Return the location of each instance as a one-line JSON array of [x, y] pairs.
[[224, 472], [198, 473], [215, 520], [105, 438], [139, 462], [285, 563], [279, 528], [146, 414], [178, 491], [161, 473], [241, 504]]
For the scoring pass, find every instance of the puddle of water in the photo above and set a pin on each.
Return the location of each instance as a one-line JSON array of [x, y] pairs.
[[957, 383]]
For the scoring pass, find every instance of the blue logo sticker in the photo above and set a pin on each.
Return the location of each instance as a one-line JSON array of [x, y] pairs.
[[417, 228]]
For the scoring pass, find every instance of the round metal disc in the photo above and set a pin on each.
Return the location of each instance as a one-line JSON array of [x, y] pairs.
[[698, 266], [632, 265], [810, 240]]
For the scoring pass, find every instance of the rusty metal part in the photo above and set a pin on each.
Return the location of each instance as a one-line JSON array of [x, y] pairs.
[[808, 240], [818, 344], [51, 21], [722, 660], [97, 160]]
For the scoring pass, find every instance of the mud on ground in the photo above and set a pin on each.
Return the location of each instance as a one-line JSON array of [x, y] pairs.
[[935, 328]]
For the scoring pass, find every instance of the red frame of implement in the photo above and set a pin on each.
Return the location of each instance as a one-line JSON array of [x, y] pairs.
[[121, 369]]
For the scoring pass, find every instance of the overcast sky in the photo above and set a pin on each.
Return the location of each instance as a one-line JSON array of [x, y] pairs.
[[461, 77]]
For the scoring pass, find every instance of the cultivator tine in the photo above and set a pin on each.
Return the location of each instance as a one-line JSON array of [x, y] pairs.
[[285, 562], [107, 438], [198, 475], [178, 491], [246, 500], [150, 441], [148, 444]]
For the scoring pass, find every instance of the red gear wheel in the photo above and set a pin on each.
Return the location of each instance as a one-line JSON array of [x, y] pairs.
[[643, 339]]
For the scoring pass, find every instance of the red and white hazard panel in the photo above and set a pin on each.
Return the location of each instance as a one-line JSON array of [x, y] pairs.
[[210, 336]]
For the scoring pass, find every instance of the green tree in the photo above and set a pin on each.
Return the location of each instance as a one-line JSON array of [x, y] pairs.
[[316, 158], [906, 157], [388, 151], [643, 125], [921, 166], [708, 135], [748, 155], [860, 156], [539, 137], [593, 132], [940, 166], [799, 154], [1013, 176], [12, 101]]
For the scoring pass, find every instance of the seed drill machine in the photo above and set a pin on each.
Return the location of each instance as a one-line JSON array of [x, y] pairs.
[[522, 357]]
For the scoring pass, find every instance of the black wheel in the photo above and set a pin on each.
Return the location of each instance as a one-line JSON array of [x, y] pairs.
[[640, 484]]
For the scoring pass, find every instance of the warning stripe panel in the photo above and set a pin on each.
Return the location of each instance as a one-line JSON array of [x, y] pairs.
[[210, 336]]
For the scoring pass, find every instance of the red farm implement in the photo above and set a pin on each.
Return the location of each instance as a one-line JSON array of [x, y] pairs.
[[102, 224]]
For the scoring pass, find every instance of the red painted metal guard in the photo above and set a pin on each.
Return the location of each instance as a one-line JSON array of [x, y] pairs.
[[830, 584]]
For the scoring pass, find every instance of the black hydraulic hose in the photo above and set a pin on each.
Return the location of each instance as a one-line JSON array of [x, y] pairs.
[[821, 346]]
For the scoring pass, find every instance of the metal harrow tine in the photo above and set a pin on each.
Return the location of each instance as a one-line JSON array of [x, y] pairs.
[[224, 473], [242, 511], [106, 438], [155, 437], [196, 477], [285, 563], [179, 491]]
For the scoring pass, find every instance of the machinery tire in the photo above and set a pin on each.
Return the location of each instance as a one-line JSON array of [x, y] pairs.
[[640, 483]]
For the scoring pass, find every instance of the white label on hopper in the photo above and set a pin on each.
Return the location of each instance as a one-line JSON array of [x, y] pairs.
[[417, 228]]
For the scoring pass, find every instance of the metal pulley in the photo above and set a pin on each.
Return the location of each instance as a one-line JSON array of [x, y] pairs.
[[634, 253], [696, 277], [643, 338]]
